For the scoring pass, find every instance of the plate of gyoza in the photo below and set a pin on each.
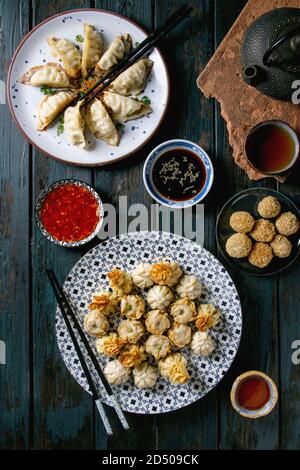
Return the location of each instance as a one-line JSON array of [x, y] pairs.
[[58, 61], [162, 315]]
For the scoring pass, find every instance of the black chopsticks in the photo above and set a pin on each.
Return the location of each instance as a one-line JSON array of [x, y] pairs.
[[144, 47], [67, 311]]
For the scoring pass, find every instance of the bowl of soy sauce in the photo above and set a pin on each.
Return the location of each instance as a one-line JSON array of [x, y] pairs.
[[178, 173]]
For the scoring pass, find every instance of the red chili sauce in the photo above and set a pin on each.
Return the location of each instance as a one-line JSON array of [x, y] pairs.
[[253, 393], [70, 213]]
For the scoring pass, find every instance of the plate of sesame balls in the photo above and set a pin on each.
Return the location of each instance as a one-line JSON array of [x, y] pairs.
[[258, 231]]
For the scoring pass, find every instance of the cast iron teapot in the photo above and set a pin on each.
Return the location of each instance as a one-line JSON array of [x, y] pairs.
[[271, 53]]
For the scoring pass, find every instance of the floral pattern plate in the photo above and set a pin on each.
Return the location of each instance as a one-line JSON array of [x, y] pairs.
[[34, 50], [125, 252]]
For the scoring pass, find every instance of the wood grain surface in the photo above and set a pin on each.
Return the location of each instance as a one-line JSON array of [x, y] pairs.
[[41, 406]]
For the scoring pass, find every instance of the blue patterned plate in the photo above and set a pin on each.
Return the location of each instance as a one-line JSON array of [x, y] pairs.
[[125, 252]]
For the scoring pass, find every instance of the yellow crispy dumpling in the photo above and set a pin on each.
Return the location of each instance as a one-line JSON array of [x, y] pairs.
[[104, 302], [95, 323], [120, 281], [183, 310], [109, 345], [68, 53], [157, 346], [130, 331], [132, 355], [174, 368], [166, 273], [208, 316], [132, 306], [157, 321]]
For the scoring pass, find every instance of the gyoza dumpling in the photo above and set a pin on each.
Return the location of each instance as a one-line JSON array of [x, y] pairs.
[[174, 368], [133, 80], [180, 335], [159, 297], [115, 373], [123, 108], [51, 106], [117, 50], [183, 310], [189, 286], [95, 323], [130, 331], [157, 321], [202, 344], [144, 376], [50, 74], [92, 49], [141, 276], [100, 123], [68, 53], [74, 126], [158, 346]]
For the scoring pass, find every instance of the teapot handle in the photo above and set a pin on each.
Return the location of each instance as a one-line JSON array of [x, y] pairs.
[[278, 43]]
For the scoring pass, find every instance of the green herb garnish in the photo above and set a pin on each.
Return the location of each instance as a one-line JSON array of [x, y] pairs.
[[146, 100], [81, 94], [47, 90], [120, 126], [60, 126], [128, 307], [79, 38]]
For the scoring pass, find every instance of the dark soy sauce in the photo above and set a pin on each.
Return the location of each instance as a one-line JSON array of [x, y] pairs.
[[179, 175]]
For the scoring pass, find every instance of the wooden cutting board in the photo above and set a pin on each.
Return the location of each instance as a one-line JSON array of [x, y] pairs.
[[242, 106]]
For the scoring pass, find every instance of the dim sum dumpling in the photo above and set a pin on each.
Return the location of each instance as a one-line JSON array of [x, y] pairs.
[[133, 80], [50, 74], [115, 373], [120, 281], [132, 306], [180, 335], [144, 375], [158, 346], [183, 310], [104, 302], [95, 323], [117, 50], [189, 286], [68, 53], [157, 322], [109, 345], [92, 49], [51, 106], [123, 108], [100, 123], [159, 297], [141, 276], [130, 331], [132, 355], [74, 126], [174, 368], [166, 273], [202, 344], [208, 316]]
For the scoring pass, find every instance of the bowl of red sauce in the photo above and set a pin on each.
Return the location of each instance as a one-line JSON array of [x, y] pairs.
[[254, 394], [69, 212]]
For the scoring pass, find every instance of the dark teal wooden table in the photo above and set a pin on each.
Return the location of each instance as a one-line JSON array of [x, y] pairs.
[[41, 406]]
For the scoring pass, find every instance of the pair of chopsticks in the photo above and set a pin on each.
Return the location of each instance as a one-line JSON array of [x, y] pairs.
[[67, 313], [144, 47]]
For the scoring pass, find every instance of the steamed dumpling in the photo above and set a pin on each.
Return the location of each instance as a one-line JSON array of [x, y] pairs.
[[159, 297], [117, 50], [51, 74], [189, 286], [123, 108], [92, 49], [100, 123], [74, 126], [183, 310], [130, 331], [132, 355], [132, 306], [202, 344], [104, 302], [133, 80], [174, 368], [157, 321], [115, 373], [157, 346], [208, 316], [95, 323], [120, 281], [51, 106], [68, 53], [166, 273], [144, 375], [180, 335], [141, 276], [109, 345]]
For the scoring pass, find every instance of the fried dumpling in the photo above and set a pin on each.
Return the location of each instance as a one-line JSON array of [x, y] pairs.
[[130, 331], [100, 123], [132, 306], [166, 273], [157, 346], [68, 53], [180, 335], [120, 281], [144, 375], [174, 368], [117, 50], [74, 124], [92, 49], [202, 344], [115, 373], [95, 323], [159, 297], [157, 321], [132, 355], [51, 74], [189, 286], [183, 310], [208, 316], [51, 106], [123, 108], [133, 80], [104, 302], [109, 345], [141, 276]]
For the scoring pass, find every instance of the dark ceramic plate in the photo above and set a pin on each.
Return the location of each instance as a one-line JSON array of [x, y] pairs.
[[247, 201]]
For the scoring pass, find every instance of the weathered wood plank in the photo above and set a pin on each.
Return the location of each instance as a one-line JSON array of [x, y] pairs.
[[63, 411], [14, 249], [258, 348], [190, 116]]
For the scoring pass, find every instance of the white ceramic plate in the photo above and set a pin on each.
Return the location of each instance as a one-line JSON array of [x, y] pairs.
[[126, 252], [34, 50]]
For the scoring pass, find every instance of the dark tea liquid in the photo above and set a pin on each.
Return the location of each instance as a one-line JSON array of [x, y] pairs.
[[253, 393], [270, 148]]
